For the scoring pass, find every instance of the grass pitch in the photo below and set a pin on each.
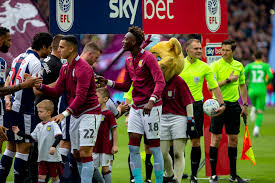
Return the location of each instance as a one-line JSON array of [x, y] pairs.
[[263, 147]]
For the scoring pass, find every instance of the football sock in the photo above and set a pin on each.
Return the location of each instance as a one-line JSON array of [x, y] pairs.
[[195, 159], [213, 156], [98, 176], [87, 170], [158, 163], [148, 166], [259, 119], [131, 175], [20, 167], [107, 177], [135, 163], [5, 165], [232, 154]]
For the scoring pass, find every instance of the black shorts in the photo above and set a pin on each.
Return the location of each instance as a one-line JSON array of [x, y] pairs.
[[230, 117], [198, 115], [145, 140]]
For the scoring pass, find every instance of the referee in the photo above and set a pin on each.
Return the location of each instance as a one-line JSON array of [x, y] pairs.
[[231, 79], [194, 73]]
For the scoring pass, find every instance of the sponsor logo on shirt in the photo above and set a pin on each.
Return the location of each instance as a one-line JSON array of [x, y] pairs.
[[196, 79], [65, 14], [213, 14]]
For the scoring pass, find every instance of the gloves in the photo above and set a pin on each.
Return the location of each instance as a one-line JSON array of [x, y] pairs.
[[3, 136], [191, 128]]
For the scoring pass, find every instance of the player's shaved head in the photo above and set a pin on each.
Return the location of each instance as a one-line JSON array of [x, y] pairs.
[[71, 40], [56, 41]]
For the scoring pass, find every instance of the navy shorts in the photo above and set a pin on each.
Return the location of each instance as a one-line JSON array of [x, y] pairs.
[[25, 122], [198, 116], [230, 118]]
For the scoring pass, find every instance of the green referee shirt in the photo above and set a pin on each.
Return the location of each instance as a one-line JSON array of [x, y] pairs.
[[194, 75], [222, 70], [256, 72]]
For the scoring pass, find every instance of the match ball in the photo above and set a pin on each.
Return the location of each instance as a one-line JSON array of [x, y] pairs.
[[210, 106]]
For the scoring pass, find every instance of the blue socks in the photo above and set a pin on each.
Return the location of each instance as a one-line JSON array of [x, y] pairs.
[[87, 172], [158, 163], [135, 163]]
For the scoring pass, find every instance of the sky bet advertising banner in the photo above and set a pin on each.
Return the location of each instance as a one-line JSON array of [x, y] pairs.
[[153, 16]]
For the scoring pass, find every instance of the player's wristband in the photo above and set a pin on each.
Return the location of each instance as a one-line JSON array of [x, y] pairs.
[[66, 113], [153, 99], [190, 119], [110, 83]]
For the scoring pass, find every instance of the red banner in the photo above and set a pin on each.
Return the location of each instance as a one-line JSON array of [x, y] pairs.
[[184, 16]]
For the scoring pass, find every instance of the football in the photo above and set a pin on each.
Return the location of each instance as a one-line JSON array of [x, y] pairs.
[[210, 106]]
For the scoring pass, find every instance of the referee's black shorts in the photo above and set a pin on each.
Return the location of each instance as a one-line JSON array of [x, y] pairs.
[[198, 115], [230, 118]]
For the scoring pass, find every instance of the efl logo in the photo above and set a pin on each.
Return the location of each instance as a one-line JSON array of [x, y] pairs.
[[65, 14], [213, 52], [213, 14]]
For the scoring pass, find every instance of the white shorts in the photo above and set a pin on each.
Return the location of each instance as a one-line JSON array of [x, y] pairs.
[[149, 125], [102, 159], [173, 127], [83, 130]]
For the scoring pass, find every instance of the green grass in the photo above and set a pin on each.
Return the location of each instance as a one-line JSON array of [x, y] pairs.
[[263, 147]]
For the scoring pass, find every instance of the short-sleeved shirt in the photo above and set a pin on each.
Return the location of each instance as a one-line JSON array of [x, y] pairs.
[[194, 75], [112, 107], [52, 66], [104, 141], [45, 134], [222, 71], [28, 62], [176, 96], [256, 73]]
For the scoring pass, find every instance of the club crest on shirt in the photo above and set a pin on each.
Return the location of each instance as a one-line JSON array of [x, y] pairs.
[[140, 63], [170, 93], [102, 118], [49, 128], [196, 79]]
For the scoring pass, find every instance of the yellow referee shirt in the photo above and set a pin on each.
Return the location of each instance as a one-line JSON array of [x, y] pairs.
[[222, 70], [194, 75]]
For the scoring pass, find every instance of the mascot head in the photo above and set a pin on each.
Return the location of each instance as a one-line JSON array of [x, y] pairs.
[[170, 57]]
